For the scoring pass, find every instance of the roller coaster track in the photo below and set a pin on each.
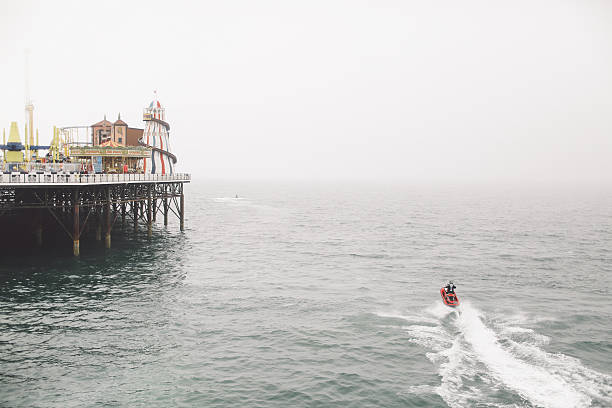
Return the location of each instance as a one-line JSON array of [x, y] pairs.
[[167, 153]]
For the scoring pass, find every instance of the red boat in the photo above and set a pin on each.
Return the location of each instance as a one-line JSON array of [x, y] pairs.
[[449, 299]]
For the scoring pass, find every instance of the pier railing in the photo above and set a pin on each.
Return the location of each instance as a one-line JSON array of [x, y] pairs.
[[44, 168], [77, 178]]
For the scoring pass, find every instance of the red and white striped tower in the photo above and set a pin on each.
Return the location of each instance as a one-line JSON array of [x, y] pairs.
[[156, 136]]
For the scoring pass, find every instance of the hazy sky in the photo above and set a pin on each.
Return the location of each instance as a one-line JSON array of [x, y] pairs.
[[411, 90]]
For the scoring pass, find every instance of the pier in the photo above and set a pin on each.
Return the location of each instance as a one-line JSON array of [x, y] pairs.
[[117, 174], [74, 202]]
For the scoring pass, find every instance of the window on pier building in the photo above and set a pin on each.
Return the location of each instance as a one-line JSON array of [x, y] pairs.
[[101, 131], [120, 128], [103, 136]]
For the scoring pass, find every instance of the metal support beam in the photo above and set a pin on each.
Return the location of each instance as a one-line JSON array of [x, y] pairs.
[[165, 205], [99, 225], [108, 225], [182, 211], [135, 209], [154, 209], [149, 215], [76, 230]]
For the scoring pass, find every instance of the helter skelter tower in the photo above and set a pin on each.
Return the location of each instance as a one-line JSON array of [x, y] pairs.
[[156, 136]]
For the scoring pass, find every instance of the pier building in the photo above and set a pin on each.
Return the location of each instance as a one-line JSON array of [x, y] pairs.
[[117, 132], [117, 175]]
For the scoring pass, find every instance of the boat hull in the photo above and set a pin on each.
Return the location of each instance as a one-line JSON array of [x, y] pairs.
[[449, 299]]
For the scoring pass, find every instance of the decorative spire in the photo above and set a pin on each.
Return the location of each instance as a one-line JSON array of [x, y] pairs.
[[119, 116]]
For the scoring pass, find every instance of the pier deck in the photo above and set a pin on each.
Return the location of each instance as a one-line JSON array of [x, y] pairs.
[[74, 201]]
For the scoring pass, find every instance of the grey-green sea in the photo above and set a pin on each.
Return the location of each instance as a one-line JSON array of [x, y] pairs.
[[304, 294]]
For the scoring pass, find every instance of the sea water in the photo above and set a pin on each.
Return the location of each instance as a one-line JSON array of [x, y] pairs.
[[308, 295]]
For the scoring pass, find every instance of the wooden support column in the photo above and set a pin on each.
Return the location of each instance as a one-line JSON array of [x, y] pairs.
[[182, 210], [149, 215], [108, 225], [154, 209], [76, 230]]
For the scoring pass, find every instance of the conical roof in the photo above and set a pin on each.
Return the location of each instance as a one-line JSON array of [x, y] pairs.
[[154, 104], [103, 122], [14, 134], [119, 121]]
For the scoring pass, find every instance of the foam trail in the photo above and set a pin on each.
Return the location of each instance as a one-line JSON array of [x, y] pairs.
[[433, 337], [448, 352], [453, 371], [477, 361], [409, 318], [534, 383], [439, 310]]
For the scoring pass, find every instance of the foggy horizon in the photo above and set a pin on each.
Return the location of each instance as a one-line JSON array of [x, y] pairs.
[[517, 92]]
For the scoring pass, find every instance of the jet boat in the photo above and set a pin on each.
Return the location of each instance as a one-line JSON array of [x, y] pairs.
[[449, 299]]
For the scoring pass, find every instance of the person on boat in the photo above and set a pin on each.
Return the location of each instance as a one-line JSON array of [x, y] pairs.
[[450, 287]]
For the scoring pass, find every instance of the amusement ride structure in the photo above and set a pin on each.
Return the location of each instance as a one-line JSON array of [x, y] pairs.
[[156, 137]]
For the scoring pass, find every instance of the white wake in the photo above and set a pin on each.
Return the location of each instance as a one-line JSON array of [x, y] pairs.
[[477, 361]]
